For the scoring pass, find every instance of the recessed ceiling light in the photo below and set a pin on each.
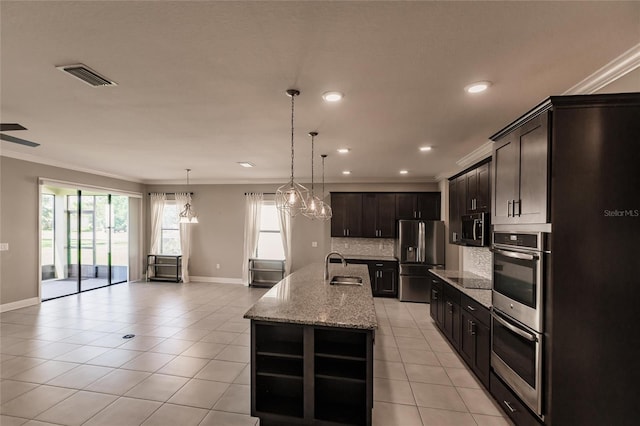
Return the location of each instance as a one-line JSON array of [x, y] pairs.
[[332, 96], [477, 87], [246, 164], [425, 148], [343, 150], [404, 172], [346, 172]]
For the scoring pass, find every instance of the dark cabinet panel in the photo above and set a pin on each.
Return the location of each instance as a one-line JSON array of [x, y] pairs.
[[511, 404], [378, 215], [437, 301], [418, 205], [475, 345], [520, 174], [386, 279], [347, 214], [469, 193]]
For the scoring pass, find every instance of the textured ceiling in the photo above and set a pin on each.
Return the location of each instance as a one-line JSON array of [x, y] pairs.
[[201, 85]]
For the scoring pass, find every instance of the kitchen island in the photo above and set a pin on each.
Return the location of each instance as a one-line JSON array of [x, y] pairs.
[[312, 349]]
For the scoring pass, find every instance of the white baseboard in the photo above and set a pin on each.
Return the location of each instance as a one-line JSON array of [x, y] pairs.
[[19, 304], [219, 280]]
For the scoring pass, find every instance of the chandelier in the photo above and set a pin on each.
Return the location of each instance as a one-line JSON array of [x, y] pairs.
[[188, 215], [291, 197]]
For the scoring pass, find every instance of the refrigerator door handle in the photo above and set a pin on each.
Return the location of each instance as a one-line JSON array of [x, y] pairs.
[[421, 242]]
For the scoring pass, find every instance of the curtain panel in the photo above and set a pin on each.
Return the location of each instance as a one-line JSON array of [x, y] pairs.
[[183, 198], [253, 207], [157, 210]]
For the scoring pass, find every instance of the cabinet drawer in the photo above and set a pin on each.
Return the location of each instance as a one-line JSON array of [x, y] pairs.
[[511, 405], [475, 309]]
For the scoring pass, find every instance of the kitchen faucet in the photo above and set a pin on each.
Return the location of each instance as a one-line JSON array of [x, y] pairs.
[[326, 263]]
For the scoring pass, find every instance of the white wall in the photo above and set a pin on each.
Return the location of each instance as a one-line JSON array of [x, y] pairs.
[[19, 210]]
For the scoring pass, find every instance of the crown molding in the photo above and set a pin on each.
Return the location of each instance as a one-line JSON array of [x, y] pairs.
[[480, 153], [623, 64], [54, 163]]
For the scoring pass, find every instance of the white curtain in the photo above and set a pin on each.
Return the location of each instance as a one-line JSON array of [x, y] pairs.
[[183, 198], [157, 209], [253, 206], [285, 233]]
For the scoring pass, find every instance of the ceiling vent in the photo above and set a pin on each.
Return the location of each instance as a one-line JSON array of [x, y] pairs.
[[86, 74]]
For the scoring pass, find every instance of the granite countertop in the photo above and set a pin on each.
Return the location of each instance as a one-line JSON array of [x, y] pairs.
[[476, 287], [304, 297], [369, 257]]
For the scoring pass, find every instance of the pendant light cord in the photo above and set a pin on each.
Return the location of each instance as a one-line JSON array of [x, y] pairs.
[[292, 152], [323, 157], [312, 144]]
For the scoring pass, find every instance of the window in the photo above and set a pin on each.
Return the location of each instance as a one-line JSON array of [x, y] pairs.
[[270, 241], [170, 237]]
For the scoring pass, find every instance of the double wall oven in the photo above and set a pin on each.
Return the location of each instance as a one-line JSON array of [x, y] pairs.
[[517, 344]]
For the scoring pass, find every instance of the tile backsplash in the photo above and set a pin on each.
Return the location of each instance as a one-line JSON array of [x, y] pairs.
[[477, 260], [364, 246]]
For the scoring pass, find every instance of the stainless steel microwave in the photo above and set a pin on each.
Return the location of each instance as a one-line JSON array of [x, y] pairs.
[[475, 229]]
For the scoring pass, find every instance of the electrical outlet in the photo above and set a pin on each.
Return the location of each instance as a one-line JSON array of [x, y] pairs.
[[314, 244], [217, 266], [4, 246], [346, 245]]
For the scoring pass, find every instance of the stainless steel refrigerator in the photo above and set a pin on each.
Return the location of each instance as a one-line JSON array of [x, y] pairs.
[[420, 247]]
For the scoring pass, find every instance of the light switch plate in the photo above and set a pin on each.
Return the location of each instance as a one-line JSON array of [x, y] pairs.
[[314, 244], [4, 246]]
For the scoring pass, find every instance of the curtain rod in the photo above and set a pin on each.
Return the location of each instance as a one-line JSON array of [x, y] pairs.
[[167, 193], [264, 193]]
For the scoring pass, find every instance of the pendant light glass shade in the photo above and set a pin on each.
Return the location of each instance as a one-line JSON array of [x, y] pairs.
[[291, 197], [324, 211], [314, 203], [188, 215]]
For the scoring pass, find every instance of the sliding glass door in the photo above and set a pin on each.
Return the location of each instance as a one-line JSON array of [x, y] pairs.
[[92, 234]]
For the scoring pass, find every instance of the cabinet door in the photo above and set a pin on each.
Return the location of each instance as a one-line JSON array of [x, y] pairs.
[[437, 300], [386, 215], [406, 206], [455, 224], [531, 205], [388, 281], [461, 184], [428, 205], [472, 191], [354, 215], [505, 173], [369, 215], [468, 338], [346, 220], [452, 322], [483, 193], [482, 353], [339, 215]]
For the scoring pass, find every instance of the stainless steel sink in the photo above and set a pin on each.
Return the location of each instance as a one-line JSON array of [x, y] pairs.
[[345, 280]]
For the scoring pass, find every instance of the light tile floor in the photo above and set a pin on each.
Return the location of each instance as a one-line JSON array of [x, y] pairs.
[[64, 362]]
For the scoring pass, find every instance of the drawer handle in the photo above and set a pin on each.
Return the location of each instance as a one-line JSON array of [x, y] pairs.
[[379, 264], [471, 308], [513, 410]]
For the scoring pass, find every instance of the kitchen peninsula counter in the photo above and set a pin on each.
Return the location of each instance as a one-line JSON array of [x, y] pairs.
[[312, 350]]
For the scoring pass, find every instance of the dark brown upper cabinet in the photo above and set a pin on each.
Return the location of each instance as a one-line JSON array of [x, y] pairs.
[[347, 214], [469, 193], [378, 215], [418, 205], [520, 169]]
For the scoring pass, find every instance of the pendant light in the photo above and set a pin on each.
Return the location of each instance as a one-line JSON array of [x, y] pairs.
[[313, 202], [291, 197], [324, 210], [188, 215]]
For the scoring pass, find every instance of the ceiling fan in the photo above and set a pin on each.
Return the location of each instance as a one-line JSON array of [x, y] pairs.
[[6, 127]]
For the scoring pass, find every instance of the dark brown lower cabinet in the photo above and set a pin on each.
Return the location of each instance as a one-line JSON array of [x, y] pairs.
[[452, 318], [475, 337], [510, 403], [311, 375]]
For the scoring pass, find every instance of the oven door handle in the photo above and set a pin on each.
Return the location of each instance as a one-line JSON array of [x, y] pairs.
[[530, 337], [516, 255]]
